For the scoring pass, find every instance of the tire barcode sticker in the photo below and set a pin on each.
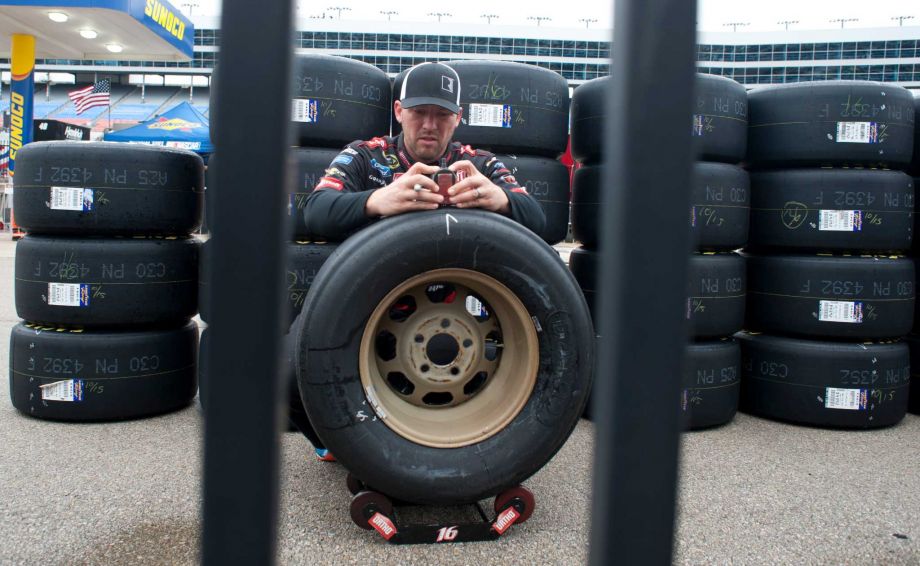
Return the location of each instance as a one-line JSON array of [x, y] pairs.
[[491, 115], [840, 220], [68, 294], [840, 311], [857, 132], [67, 390], [305, 110], [849, 399], [71, 198]]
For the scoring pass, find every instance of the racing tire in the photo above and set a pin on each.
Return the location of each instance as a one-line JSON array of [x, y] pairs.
[[586, 204], [583, 263], [720, 119], [547, 181], [825, 384], [72, 375], [308, 165], [716, 288], [588, 119], [303, 261], [831, 123], [517, 327], [855, 298], [915, 162], [337, 100], [720, 207], [107, 188], [95, 282], [832, 210], [711, 383], [509, 107]]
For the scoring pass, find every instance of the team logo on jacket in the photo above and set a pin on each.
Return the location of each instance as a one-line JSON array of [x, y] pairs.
[[392, 161], [384, 170]]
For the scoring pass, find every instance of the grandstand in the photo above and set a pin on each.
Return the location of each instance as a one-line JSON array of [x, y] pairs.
[[752, 58]]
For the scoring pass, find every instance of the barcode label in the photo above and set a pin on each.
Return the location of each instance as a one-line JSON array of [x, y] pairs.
[[840, 311], [68, 390], [68, 294], [71, 198], [857, 132], [697, 125], [491, 115], [840, 220], [305, 110], [849, 399]]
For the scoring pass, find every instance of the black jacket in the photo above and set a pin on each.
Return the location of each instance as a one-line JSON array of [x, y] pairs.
[[335, 208]]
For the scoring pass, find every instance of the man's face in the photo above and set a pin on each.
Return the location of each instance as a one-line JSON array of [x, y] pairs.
[[427, 129]]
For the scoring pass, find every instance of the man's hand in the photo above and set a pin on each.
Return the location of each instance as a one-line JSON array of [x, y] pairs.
[[476, 190], [412, 191]]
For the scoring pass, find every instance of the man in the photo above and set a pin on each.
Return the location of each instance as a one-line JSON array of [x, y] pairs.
[[387, 176]]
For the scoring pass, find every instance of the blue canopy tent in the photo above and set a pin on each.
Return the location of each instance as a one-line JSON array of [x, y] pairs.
[[181, 126]]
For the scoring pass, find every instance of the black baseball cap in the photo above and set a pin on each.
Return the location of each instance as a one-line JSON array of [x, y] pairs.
[[431, 83]]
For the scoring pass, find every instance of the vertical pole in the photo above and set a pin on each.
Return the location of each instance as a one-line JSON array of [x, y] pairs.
[[644, 256], [22, 94], [242, 419]]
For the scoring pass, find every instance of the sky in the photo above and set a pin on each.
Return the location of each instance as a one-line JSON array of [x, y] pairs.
[[759, 15]]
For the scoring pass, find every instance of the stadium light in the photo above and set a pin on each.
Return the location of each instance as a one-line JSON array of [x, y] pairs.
[[901, 19], [339, 9], [88, 33], [539, 19], [114, 47], [787, 23], [588, 21], [440, 15], [389, 13], [489, 17], [59, 17], [736, 25], [843, 21]]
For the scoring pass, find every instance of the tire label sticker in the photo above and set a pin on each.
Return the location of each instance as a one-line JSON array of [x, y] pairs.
[[840, 220], [71, 198], [840, 311], [849, 399], [491, 115], [697, 125], [305, 110], [857, 132], [67, 390], [68, 294]]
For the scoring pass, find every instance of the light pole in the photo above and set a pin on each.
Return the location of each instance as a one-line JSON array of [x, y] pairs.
[[736, 25], [440, 15], [588, 21], [539, 19], [389, 13], [339, 9], [843, 21], [901, 19], [190, 6], [787, 23], [489, 17]]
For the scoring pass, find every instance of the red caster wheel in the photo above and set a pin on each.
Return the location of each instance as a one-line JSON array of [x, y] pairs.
[[520, 497], [365, 503]]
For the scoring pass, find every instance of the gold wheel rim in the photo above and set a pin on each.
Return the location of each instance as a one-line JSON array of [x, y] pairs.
[[449, 371]]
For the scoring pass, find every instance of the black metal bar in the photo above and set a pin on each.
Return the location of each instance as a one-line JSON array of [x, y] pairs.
[[644, 255], [242, 419]]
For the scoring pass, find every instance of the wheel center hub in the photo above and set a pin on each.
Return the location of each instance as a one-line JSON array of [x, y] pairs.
[[442, 349]]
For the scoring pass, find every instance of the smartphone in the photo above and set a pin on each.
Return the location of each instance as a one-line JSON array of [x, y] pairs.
[[445, 179]]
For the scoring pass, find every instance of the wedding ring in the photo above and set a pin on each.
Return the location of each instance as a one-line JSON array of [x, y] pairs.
[[478, 194], [418, 187]]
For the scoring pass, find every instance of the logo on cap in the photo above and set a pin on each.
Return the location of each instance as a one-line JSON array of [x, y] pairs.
[[447, 83]]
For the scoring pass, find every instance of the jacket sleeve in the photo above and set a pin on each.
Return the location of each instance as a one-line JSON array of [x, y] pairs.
[[335, 208], [525, 209]]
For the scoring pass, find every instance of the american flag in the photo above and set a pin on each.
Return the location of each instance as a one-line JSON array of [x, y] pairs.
[[93, 95]]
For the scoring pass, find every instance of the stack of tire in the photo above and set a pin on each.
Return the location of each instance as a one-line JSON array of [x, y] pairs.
[[913, 340], [335, 101], [105, 280], [520, 113], [718, 221], [831, 292]]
